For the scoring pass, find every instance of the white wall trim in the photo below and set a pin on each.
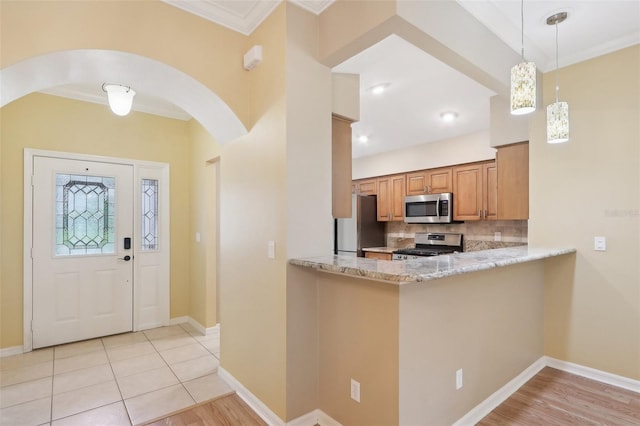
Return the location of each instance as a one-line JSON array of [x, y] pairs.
[[593, 374], [498, 397], [312, 418], [309, 419], [178, 320], [252, 401], [196, 325], [11, 350]]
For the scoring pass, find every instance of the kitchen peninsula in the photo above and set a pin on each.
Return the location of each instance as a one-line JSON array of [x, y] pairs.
[[403, 329]]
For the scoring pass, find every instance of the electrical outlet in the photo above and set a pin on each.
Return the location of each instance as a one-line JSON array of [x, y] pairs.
[[197, 237], [497, 236], [600, 243], [459, 379], [355, 390]]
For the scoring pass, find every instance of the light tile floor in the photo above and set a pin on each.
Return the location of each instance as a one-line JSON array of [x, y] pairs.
[[127, 379]]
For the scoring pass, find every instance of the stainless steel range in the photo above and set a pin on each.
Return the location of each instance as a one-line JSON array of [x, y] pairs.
[[430, 244]]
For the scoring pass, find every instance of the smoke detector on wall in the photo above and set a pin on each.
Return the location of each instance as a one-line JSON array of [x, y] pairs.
[[253, 57]]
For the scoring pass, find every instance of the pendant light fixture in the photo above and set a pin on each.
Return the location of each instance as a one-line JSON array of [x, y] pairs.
[[557, 112], [120, 98], [523, 80]]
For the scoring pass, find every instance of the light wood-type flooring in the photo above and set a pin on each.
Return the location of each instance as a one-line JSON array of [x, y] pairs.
[[228, 410], [554, 397]]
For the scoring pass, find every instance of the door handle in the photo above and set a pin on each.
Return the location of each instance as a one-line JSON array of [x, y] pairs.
[[126, 258]]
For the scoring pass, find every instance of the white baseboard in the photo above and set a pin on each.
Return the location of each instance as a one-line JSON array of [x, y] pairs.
[[178, 320], [326, 420], [592, 373], [11, 350], [499, 396], [314, 417], [252, 401], [195, 324]]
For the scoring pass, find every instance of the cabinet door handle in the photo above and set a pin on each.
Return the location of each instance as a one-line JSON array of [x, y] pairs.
[[480, 214], [485, 214]]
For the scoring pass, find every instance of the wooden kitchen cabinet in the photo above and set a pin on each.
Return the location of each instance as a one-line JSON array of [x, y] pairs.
[[378, 255], [475, 191], [391, 192], [340, 167], [366, 186], [432, 181], [513, 181]]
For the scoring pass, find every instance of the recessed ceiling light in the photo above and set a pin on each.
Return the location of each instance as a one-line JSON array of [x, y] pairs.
[[449, 116], [363, 139], [379, 89]]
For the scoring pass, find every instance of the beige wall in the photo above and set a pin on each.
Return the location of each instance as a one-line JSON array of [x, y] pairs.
[[309, 87], [358, 338], [203, 221], [590, 187], [207, 52], [463, 149], [253, 211], [51, 123], [488, 323]]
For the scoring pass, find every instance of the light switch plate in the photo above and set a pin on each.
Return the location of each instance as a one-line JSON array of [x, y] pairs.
[[600, 243], [271, 249]]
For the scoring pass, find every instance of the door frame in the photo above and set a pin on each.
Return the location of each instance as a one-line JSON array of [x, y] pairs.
[[141, 170]]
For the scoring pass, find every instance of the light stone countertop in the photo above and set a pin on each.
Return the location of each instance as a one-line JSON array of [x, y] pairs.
[[427, 268], [381, 249]]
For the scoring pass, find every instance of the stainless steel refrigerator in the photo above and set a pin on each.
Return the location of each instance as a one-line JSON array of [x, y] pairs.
[[360, 231]]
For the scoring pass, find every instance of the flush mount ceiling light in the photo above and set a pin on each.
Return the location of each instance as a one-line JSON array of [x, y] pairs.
[[523, 80], [557, 112], [379, 89], [363, 139], [120, 98], [449, 116]]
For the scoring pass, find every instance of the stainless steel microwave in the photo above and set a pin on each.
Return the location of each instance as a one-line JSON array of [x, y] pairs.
[[429, 208]]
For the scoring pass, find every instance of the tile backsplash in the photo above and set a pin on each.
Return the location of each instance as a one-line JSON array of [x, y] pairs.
[[478, 235]]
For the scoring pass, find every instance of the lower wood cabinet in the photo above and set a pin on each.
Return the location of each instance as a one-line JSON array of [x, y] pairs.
[[475, 191], [378, 255], [390, 192]]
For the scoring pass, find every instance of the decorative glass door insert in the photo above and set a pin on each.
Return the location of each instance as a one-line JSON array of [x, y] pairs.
[[85, 215]]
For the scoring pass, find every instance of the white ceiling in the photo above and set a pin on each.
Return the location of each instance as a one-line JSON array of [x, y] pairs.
[[422, 87]]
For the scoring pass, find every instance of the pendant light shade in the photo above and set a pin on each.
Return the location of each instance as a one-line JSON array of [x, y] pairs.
[[558, 122], [120, 98], [523, 88], [523, 80], [557, 112]]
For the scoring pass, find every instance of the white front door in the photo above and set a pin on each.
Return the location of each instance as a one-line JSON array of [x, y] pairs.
[[82, 250]]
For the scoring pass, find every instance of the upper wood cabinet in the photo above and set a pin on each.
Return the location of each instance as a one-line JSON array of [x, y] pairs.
[[340, 167], [432, 181], [391, 192], [475, 191], [366, 186], [490, 188], [513, 181]]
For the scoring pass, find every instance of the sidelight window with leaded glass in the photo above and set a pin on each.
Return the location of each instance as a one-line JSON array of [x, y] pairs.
[[149, 214]]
